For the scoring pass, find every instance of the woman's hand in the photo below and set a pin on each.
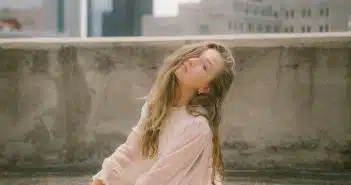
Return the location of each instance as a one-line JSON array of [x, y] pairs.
[[97, 182]]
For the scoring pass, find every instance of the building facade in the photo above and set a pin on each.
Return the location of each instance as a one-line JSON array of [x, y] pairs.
[[252, 16], [125, 17], [216, 17], [300, 16], [62, 16]]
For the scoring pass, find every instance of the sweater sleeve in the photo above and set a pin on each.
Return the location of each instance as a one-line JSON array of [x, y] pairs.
[[180, 157], [129, 151]]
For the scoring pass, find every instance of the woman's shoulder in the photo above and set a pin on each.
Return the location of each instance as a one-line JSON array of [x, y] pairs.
[[197, 124], [202, 123], [144, 109], [190, 128]]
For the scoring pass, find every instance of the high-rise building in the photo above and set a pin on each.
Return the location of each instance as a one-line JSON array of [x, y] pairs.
[[96, 10], [216, 17], [90, 17], [125, 17], [62, 16], [252, 16], [315, 16]]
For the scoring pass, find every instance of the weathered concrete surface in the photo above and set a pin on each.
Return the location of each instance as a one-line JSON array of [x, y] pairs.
[[72, 104]]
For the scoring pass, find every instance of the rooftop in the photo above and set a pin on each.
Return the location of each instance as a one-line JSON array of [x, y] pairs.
[[333, 39]]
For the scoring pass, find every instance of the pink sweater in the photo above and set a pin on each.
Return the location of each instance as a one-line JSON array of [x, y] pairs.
[[184, 155]]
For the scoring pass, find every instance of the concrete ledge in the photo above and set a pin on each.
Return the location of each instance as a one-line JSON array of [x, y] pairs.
[[333, 39], [289, 108], [26, 34]]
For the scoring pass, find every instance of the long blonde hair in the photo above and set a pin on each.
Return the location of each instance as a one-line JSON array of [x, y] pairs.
[[162, 98]]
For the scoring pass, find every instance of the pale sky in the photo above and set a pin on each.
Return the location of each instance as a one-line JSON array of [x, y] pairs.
[[168, 7]]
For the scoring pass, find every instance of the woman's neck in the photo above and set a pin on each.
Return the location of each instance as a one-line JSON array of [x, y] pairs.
[[183, 95]]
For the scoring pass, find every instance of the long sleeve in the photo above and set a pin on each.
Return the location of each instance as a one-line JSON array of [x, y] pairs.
[[181, 156], [126, 153]]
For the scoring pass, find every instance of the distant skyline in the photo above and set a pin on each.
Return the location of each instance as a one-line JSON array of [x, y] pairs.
[[161, 7]]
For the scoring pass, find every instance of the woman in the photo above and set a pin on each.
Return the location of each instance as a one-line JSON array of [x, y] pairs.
[[176, 141]]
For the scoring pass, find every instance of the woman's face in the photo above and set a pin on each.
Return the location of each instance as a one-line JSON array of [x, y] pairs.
[[198, 72]]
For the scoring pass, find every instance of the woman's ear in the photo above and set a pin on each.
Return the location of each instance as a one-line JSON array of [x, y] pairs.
[[204, 90]]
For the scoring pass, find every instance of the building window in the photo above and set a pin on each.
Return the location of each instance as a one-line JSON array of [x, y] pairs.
[[306, 13], [308, 29], [232, 25], [303, 13], [249, 27], [324, 12], [324, 28], [268, 28], [292, 13], [321, 12], [287, 29], [303, 29], [275, 14], [204, 29], [259, 28], [60, 22], [241, 27]]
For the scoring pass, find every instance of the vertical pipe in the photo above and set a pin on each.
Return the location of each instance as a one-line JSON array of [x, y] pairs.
[[83, 18]]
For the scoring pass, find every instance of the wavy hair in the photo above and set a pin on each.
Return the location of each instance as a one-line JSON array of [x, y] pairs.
[[162, 98]]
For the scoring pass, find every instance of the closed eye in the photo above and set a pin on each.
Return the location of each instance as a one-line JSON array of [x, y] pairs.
[[208, 62], [204, 67]]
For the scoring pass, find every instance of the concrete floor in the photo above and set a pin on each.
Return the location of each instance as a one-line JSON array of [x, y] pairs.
[[84, 180]]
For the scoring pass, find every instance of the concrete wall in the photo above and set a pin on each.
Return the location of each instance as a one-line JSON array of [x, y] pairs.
[[73, 104]]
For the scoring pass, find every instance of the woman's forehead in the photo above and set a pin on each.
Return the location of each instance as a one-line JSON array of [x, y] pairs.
[[212, 55]]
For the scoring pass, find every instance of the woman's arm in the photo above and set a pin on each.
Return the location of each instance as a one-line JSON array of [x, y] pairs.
[[182, 154], [126, 153]]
